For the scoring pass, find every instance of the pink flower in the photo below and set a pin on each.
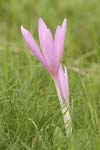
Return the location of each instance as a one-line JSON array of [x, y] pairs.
[[62, 86], [49, 54], [50, 51]]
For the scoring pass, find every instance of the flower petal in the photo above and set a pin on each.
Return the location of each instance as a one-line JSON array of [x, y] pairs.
[[63, 83], [64, 27], [59, 40], [49, 43], [42, 28], [32, 45], [49, 52], [66, 82]]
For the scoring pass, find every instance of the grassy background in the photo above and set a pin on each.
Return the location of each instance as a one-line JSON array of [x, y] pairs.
[[30, 114]]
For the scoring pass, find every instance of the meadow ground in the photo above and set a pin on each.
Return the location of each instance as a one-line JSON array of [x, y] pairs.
[[29, 108]]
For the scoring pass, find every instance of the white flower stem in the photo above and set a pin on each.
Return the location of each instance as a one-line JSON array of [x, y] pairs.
[[65, 112], [66, 118]]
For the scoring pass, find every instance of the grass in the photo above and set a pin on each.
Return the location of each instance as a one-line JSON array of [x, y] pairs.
[[30, 115]]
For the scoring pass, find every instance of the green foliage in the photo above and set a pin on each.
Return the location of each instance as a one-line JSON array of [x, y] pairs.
[[30, 115]]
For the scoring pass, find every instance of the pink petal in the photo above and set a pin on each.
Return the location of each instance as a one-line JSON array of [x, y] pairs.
[[66, 82], [49, 52], [59, 40], [49, 44], [32, 45], [42, 28], [64, 27], [63, 83]]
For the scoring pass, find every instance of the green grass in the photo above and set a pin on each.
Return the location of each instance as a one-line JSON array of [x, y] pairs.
[[30, 114]]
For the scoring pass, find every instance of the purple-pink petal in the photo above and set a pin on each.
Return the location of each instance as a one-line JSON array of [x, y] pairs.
[[42, 28], [64, 27], [66, 82], [59, 40], [57, 45], [62, 80], [50, 52], [32, 45]]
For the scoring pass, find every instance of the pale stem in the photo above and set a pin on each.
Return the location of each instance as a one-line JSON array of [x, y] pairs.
[[66, 118], [65, 112]]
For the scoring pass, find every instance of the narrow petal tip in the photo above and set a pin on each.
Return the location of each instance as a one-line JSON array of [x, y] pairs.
[[64, 23], [65, 69], [42, 23], [23, 30], [65, 20], [40, 19], [22, 27]]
